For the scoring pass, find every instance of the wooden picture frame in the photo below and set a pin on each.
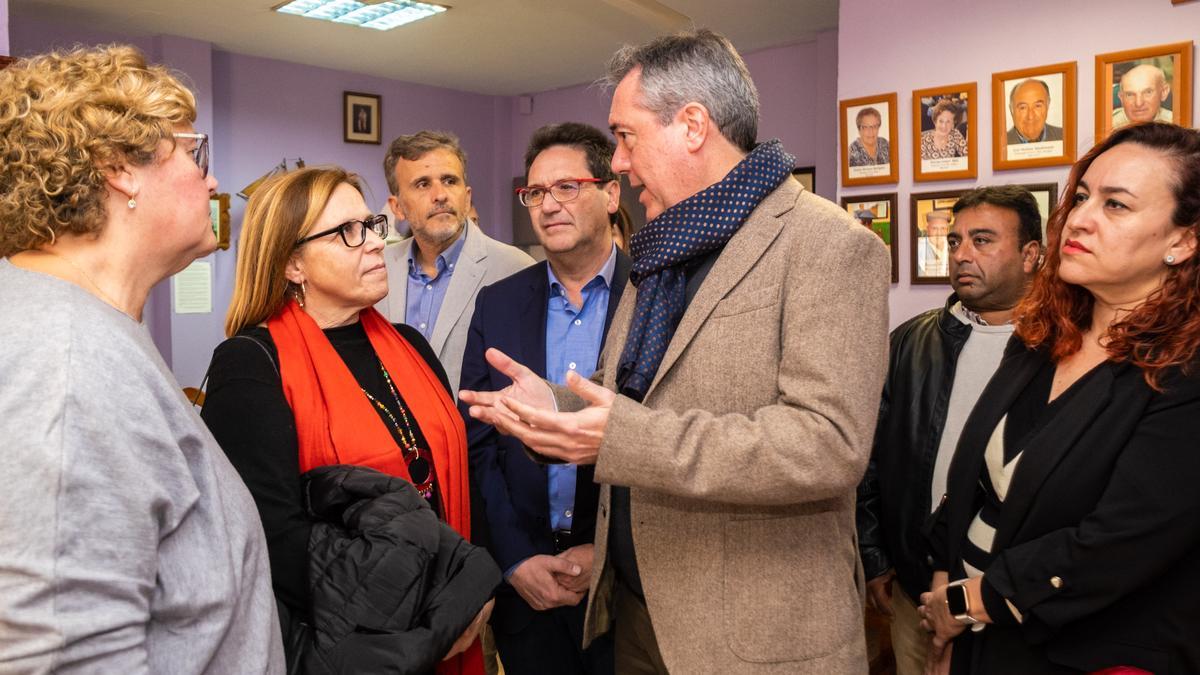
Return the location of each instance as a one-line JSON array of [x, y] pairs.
[[884, 210], [858, 166], [361, 117], [957, 158], [218, 206], [1174, 65], [807, 175], [1046, 195], [1033, 117], [929, 256]]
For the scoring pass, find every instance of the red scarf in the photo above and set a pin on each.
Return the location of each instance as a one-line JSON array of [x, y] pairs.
[[336, 424]]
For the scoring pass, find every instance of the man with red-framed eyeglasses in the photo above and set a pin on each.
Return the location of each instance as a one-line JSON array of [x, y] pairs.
[[552, 316]]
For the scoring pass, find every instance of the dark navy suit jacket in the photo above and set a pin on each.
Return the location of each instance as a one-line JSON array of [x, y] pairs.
[[510, 315]]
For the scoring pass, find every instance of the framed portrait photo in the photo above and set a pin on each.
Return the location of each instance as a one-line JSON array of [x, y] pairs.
[[878, 212], [1033, 117], [944, 132], [807, 175], [869, 153], [1140, 85], [218, 210], [360, 118], [1046, 195], [929, 226]]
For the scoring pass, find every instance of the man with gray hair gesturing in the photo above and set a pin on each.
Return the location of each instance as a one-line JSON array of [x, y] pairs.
[[733, 413]]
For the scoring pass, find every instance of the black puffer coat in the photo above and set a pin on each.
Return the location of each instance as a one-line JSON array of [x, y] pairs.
[[392, 586]]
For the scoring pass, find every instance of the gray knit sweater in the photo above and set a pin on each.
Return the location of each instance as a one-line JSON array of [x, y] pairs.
[[128, 544]]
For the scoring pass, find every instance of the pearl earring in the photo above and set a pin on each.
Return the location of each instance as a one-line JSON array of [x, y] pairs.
[[1169, 259], [132, 203]]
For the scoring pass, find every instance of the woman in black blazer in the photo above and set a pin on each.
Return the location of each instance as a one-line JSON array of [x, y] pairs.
[[1071, 523]]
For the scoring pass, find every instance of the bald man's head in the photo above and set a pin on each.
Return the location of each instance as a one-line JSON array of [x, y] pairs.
[[1143, 91], [1029, 104]]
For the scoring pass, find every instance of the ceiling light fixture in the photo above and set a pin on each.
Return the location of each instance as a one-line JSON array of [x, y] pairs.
[[377, 15]]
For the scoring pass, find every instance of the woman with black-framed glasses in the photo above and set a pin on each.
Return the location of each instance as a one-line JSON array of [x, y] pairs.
[[344, 429]]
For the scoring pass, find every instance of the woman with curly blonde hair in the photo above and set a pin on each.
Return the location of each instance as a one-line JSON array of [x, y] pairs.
[[127, 541]]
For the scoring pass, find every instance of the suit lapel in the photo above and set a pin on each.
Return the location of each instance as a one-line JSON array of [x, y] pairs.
[[620, 279], [1047, 448], [465, 280], [531, 324], [1016, 369], [741, 254], [587, 492], [396, 302]]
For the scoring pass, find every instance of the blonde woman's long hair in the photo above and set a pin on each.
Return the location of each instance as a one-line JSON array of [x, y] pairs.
[[277, 216]]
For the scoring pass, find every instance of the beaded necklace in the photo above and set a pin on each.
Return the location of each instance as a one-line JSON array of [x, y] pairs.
[[419, 468]]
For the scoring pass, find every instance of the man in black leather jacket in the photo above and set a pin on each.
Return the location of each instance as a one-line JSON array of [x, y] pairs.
[[939, 362]]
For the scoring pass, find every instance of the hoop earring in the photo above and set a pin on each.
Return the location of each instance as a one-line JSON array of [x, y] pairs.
[[299, 294]]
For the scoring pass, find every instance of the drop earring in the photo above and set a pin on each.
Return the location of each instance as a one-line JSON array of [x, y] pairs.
[[132, 203]]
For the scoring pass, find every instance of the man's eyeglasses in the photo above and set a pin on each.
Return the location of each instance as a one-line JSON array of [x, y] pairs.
[[354, 232], [562, 191], [200, 152]]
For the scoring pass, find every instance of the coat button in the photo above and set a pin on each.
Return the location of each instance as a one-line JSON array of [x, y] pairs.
[[928, 560], [1056, 582]]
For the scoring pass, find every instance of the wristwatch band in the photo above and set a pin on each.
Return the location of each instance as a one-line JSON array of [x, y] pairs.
[[959, 588]]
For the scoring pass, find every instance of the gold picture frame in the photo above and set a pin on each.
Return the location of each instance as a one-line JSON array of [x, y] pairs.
[[957, 157], [218, 207], [1173, 63], [884, 221], [858, 167], [929, 255], [1023, 100]]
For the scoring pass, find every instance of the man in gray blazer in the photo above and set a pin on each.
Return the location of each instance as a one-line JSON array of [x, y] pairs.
[[435, 274], [733, 414]]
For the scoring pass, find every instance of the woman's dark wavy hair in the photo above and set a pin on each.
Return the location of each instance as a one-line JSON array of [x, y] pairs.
[[1163, 332]]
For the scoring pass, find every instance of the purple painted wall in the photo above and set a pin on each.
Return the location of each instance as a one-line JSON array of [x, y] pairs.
[[795, 84], [974, 40], [4, 50], [260, 110]]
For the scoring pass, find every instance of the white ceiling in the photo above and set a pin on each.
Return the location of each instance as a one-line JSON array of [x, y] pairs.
[[502, 47]]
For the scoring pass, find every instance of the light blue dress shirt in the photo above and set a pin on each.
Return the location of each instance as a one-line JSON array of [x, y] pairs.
[[425, 294], [573, 339]]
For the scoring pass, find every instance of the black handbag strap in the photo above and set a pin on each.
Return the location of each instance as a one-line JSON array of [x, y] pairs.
[[204, 382]]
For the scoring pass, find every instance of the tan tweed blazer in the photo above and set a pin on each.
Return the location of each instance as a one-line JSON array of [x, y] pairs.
[[744, 458]]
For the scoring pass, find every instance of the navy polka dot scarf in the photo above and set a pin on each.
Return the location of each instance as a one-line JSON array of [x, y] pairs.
[[689, 230]]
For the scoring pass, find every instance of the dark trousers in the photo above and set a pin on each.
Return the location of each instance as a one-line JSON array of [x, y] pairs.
[[551, 644], [635, 643]]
